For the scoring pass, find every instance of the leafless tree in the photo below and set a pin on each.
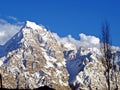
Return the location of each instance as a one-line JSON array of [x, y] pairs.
[[106, 51]]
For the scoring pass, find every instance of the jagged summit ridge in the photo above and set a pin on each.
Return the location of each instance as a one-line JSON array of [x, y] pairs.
[[33, 25], [31, 28], [28, 34]]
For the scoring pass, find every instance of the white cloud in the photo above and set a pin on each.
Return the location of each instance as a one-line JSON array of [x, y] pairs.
[[85, 40], [12, 18], [7, 30], [115, 48], [2, 34], [89, 41]]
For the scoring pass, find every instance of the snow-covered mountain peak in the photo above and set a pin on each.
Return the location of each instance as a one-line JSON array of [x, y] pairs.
[[35, 51], [31, 28], [30, 35], [32, 25]]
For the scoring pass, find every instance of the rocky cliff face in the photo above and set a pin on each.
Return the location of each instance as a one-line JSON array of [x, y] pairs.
[[34, 57], [87, 71]]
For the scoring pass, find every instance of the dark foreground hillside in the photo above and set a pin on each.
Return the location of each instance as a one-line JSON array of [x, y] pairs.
[[40, 88]]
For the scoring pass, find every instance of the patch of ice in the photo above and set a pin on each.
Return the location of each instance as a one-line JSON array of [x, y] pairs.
[[59, 64], [49, 64]]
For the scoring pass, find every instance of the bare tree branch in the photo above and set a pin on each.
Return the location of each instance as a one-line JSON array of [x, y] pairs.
[[106, 51]]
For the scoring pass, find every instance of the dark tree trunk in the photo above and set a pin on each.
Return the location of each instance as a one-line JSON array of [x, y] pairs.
[[0, 80]]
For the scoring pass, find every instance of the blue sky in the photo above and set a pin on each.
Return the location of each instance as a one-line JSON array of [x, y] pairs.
[[66, 16]]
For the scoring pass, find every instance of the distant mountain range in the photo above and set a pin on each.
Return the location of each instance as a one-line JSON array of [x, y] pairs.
[[36, 57]]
